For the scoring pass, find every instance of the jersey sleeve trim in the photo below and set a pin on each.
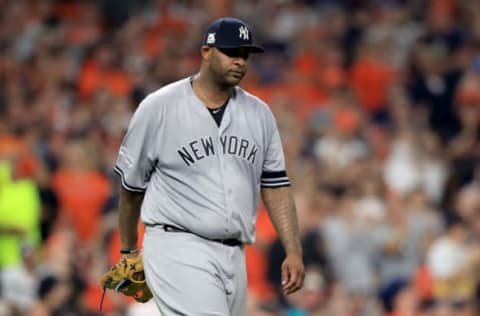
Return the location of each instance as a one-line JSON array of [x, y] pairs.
[[125, 185], [276, 185], [273, 174], [274, 179]]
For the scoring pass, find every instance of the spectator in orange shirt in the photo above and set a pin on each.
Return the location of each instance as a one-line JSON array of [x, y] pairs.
[[104, 72], [256, 259], [371, 77], [82, 191]]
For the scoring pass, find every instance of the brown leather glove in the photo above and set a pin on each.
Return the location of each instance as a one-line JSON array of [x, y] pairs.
[[127, 277]]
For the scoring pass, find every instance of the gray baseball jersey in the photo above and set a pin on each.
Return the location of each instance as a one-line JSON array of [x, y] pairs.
[[196, 175]]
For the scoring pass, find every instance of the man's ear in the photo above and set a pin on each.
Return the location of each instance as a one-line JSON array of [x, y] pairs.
[[206, 52]]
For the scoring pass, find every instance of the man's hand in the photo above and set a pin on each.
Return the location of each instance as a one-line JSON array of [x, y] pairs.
[[293, 273]]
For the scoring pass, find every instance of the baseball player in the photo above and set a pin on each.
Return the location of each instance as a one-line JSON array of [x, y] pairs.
[[197, 155]]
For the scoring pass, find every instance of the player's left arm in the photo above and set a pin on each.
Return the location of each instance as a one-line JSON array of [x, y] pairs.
[[281, 208], [278, 199]]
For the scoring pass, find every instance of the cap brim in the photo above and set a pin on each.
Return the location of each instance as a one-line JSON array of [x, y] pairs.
[[256, 49], [250, 48]]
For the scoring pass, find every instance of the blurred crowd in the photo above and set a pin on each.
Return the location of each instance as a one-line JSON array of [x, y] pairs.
[[378, 106]]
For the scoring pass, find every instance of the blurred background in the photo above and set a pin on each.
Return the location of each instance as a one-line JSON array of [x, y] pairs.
[[378, 105]]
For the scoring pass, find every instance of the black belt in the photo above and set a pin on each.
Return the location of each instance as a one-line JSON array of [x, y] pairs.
[[232, 242]]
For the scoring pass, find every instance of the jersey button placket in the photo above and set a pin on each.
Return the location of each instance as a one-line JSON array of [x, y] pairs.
[[225, 172], [231, 214], [224, 176], [228, 192]]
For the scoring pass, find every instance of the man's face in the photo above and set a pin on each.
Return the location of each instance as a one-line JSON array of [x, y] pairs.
[[228, 66]]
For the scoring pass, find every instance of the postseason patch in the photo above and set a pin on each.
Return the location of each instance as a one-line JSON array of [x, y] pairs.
[[125, 156]]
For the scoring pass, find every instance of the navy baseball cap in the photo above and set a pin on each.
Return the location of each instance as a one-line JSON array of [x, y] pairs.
[[230, 33]]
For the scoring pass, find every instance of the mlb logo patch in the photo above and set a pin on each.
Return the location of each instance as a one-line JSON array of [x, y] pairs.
[[211, 38]]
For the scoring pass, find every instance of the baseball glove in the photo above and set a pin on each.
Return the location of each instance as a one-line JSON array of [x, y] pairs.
[[127, 277]]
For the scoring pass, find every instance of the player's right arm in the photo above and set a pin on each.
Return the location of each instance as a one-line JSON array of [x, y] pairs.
[[128, 215], [135, 163]]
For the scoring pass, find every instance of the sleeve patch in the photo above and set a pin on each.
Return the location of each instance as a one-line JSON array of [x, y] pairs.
[[123, 153]]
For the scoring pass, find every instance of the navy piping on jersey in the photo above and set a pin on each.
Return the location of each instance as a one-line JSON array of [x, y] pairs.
[[274, 179], [125, 185]]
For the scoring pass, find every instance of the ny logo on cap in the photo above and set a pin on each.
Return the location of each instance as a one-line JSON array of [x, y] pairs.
[[211, 38], [243, 32]]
